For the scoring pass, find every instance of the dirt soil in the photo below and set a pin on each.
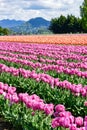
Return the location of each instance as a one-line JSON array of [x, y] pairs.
[[5, 125]]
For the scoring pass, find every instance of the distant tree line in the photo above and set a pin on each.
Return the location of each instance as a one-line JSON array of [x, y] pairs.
[[4, 31], [71, 24], [83, 12]]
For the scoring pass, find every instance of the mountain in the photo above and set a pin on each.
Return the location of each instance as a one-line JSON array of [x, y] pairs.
[[24, 28], [39, 22], [32, 26], [6, 23]]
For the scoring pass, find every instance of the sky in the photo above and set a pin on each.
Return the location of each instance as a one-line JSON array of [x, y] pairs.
[[48, 9]]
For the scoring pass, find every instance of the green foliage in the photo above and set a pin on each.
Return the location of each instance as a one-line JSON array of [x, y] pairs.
[[4, 31], [57, 95], [24, 118], [57, 24], [83, 11], [69, 24]]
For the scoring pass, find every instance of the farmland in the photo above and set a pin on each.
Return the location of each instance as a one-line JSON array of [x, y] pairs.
[[43, 82]]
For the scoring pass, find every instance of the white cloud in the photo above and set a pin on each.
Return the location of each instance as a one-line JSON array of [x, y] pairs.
[[26, 9]]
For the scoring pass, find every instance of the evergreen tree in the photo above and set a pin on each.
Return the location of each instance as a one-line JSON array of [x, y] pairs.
[[83, 11]]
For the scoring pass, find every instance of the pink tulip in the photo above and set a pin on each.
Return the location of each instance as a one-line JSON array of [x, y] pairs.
[[65, 114], [11, 90], [1, 85], [73, 127], [79, 121], [66, 122], [49, 109], [85, 103], [55, 123], [59, 108], [1, 91]]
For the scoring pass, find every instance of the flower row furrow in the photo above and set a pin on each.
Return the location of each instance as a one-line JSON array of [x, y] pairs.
[[62, 118], [45, 67], [31, 101], [76, 89], [46, 50], [42, 60]]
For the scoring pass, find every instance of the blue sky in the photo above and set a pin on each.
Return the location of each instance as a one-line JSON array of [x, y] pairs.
[[27, 9]]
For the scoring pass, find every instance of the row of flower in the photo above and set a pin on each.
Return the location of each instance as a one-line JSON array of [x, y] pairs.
[[56, 54], [61, 62], [61, 117], [68, 39], [46, 50], [50, 89], [31, 101], [59, 69], [76, 89]]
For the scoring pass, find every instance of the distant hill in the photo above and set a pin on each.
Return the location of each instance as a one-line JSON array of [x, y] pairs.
[[39, 22], [6, 23], [32, 26]]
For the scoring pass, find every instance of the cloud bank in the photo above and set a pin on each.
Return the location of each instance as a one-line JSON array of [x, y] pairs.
[[27, 9]]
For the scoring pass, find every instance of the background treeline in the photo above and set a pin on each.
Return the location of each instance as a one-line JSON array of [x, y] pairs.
[[4, 31], [71, 24]]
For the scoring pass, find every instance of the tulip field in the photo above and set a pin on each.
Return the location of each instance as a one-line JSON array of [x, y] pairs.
[[43, 86], [67, 39]]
